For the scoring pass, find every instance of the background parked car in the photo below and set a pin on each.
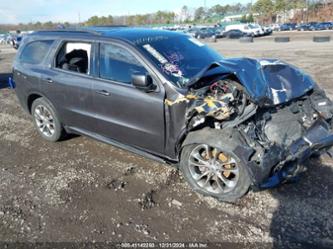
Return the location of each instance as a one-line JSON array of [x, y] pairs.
[[323, 26], [218, 32], [204, 33], [235, 34], [313, 26], [303, 27], [275, 27], [257, 29], [267, 30], [288, 26]]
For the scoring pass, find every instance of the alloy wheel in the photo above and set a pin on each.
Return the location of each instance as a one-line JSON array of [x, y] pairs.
[[212, 169], [44, 120]]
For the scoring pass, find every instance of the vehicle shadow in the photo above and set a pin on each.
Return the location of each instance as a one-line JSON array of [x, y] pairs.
[[303, 218], [4, 80]]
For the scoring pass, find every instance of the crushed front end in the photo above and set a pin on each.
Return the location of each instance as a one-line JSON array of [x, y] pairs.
[[282, 115], [284, 136]]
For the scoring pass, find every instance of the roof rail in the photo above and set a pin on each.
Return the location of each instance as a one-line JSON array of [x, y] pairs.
[[69, 30]]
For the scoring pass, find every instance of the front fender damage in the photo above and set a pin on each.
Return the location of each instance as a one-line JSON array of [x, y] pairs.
[[267, 81], [268, 105]]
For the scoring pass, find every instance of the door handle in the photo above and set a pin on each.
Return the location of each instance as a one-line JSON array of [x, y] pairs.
[[103, 92]]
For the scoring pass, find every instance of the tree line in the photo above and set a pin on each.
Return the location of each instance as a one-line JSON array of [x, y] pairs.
[[265, 10], [186, 15]]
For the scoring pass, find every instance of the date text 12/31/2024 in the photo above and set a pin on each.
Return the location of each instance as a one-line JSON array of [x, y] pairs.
[[163, 245]]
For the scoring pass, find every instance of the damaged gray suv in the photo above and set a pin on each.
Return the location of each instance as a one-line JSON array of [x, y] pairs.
[[230, 125]]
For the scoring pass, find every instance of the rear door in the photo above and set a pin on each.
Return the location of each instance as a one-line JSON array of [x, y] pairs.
[[123, 112], [68, 83]]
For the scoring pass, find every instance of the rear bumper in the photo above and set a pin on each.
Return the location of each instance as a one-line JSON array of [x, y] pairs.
[[318, 138]]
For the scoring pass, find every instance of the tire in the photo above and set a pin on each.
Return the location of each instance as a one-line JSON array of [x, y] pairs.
[[321, 38], [246, 39], [44, 115], [282, 39], [242, 184]]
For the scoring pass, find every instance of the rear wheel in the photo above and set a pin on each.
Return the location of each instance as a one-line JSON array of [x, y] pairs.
[[46, 120], [215, 172]]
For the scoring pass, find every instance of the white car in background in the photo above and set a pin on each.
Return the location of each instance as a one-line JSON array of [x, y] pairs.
[[250, 29], [2, 39], [275, 27]]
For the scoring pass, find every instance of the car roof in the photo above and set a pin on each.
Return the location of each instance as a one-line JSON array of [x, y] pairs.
[[129, 34]]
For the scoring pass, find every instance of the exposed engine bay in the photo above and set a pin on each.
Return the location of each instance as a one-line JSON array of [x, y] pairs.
[[223, 100], [271, 133]]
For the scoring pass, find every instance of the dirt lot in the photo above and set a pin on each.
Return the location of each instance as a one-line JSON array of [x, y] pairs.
[[83, 190]]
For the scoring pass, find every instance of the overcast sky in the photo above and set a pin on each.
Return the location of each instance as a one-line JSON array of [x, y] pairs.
[[15, 11]]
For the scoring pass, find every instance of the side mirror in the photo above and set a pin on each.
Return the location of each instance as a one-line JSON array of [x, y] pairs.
[[143, 82]]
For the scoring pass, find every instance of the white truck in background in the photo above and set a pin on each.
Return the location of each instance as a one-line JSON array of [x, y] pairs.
[[250, 29]]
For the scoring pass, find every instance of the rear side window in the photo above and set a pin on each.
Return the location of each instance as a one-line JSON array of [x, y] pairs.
[[118, 64], [35, 52]]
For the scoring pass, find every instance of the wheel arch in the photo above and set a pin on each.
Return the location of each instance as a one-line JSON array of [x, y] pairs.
[[228, 137], [59, 133], [31, 98], [206, 136], [37, 95], [230, 142]]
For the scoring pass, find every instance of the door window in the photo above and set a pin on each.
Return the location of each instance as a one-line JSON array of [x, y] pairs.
[[118, 64], [75, 57]]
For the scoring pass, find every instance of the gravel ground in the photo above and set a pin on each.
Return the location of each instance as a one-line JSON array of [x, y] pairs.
[[82, 190]]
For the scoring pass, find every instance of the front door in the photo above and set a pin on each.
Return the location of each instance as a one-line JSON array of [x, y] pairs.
[[123, 112]]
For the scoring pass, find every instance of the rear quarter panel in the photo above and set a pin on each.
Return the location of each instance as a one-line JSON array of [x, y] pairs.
[[27, 77]]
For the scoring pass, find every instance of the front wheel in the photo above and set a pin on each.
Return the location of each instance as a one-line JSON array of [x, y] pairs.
[[46, 120], [215, 172]]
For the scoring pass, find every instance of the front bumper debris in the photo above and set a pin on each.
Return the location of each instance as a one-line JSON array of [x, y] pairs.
[[316, 139]]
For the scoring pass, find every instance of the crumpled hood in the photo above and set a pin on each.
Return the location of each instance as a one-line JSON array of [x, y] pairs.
[[267, 81]]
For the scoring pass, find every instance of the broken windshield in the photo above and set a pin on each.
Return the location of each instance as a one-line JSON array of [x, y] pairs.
[[180, 58]]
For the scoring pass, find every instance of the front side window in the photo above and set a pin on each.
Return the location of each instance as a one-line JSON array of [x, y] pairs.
[[118, 64], [74, 57], [35, 52]]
